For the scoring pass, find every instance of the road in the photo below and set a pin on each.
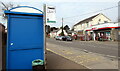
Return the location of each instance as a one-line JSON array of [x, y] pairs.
[[104, 48], [91, 54]]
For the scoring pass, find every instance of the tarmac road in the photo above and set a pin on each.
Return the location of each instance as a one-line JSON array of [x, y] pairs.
[[91, 60], [105, 48]]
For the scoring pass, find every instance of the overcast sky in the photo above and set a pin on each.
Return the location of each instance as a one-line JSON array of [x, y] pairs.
[[72, 10]]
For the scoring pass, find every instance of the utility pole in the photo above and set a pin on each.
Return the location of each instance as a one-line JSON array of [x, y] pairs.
[[62, 33], [62, 22]]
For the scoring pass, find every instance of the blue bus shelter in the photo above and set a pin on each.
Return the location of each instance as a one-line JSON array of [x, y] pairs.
[[25, 37]]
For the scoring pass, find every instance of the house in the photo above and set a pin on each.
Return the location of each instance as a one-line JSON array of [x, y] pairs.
[[89, 22], [57, 33], [71, 33], [53, 33]]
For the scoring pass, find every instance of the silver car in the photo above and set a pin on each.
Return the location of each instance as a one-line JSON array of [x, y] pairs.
[[59, 37]]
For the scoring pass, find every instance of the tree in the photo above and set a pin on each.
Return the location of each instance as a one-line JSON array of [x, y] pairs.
[[47, 29], [62, 33], [66, 27], [53, 28], [6, 6]]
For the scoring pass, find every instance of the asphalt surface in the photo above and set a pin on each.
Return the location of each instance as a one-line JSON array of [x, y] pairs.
[[105, 48], [55, 61]]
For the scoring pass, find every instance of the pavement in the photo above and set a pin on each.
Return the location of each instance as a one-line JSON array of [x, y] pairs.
[[55, 61], [88, 59]]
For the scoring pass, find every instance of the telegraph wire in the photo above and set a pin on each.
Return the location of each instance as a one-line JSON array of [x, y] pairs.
[[87, 13], [92, 12]]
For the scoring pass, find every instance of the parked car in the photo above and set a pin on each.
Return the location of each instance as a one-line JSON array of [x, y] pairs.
[[67, 38], [59, 37]]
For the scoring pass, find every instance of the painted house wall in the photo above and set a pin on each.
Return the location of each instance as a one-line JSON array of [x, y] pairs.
[[87, 24], [100, 19], [54, 34]]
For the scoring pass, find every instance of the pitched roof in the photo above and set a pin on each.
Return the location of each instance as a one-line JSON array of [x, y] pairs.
[[88, 19]]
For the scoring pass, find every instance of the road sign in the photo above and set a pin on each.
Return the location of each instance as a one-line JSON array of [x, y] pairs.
[[50, 15]]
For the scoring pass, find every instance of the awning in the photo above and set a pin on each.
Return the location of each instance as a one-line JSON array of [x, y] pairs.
[[103, 26]]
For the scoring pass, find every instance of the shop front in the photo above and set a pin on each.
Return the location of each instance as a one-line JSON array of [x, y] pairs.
[[102, 35], [103, 32]]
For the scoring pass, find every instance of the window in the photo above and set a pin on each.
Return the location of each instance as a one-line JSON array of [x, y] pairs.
[[87, 24], [99, 19]]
